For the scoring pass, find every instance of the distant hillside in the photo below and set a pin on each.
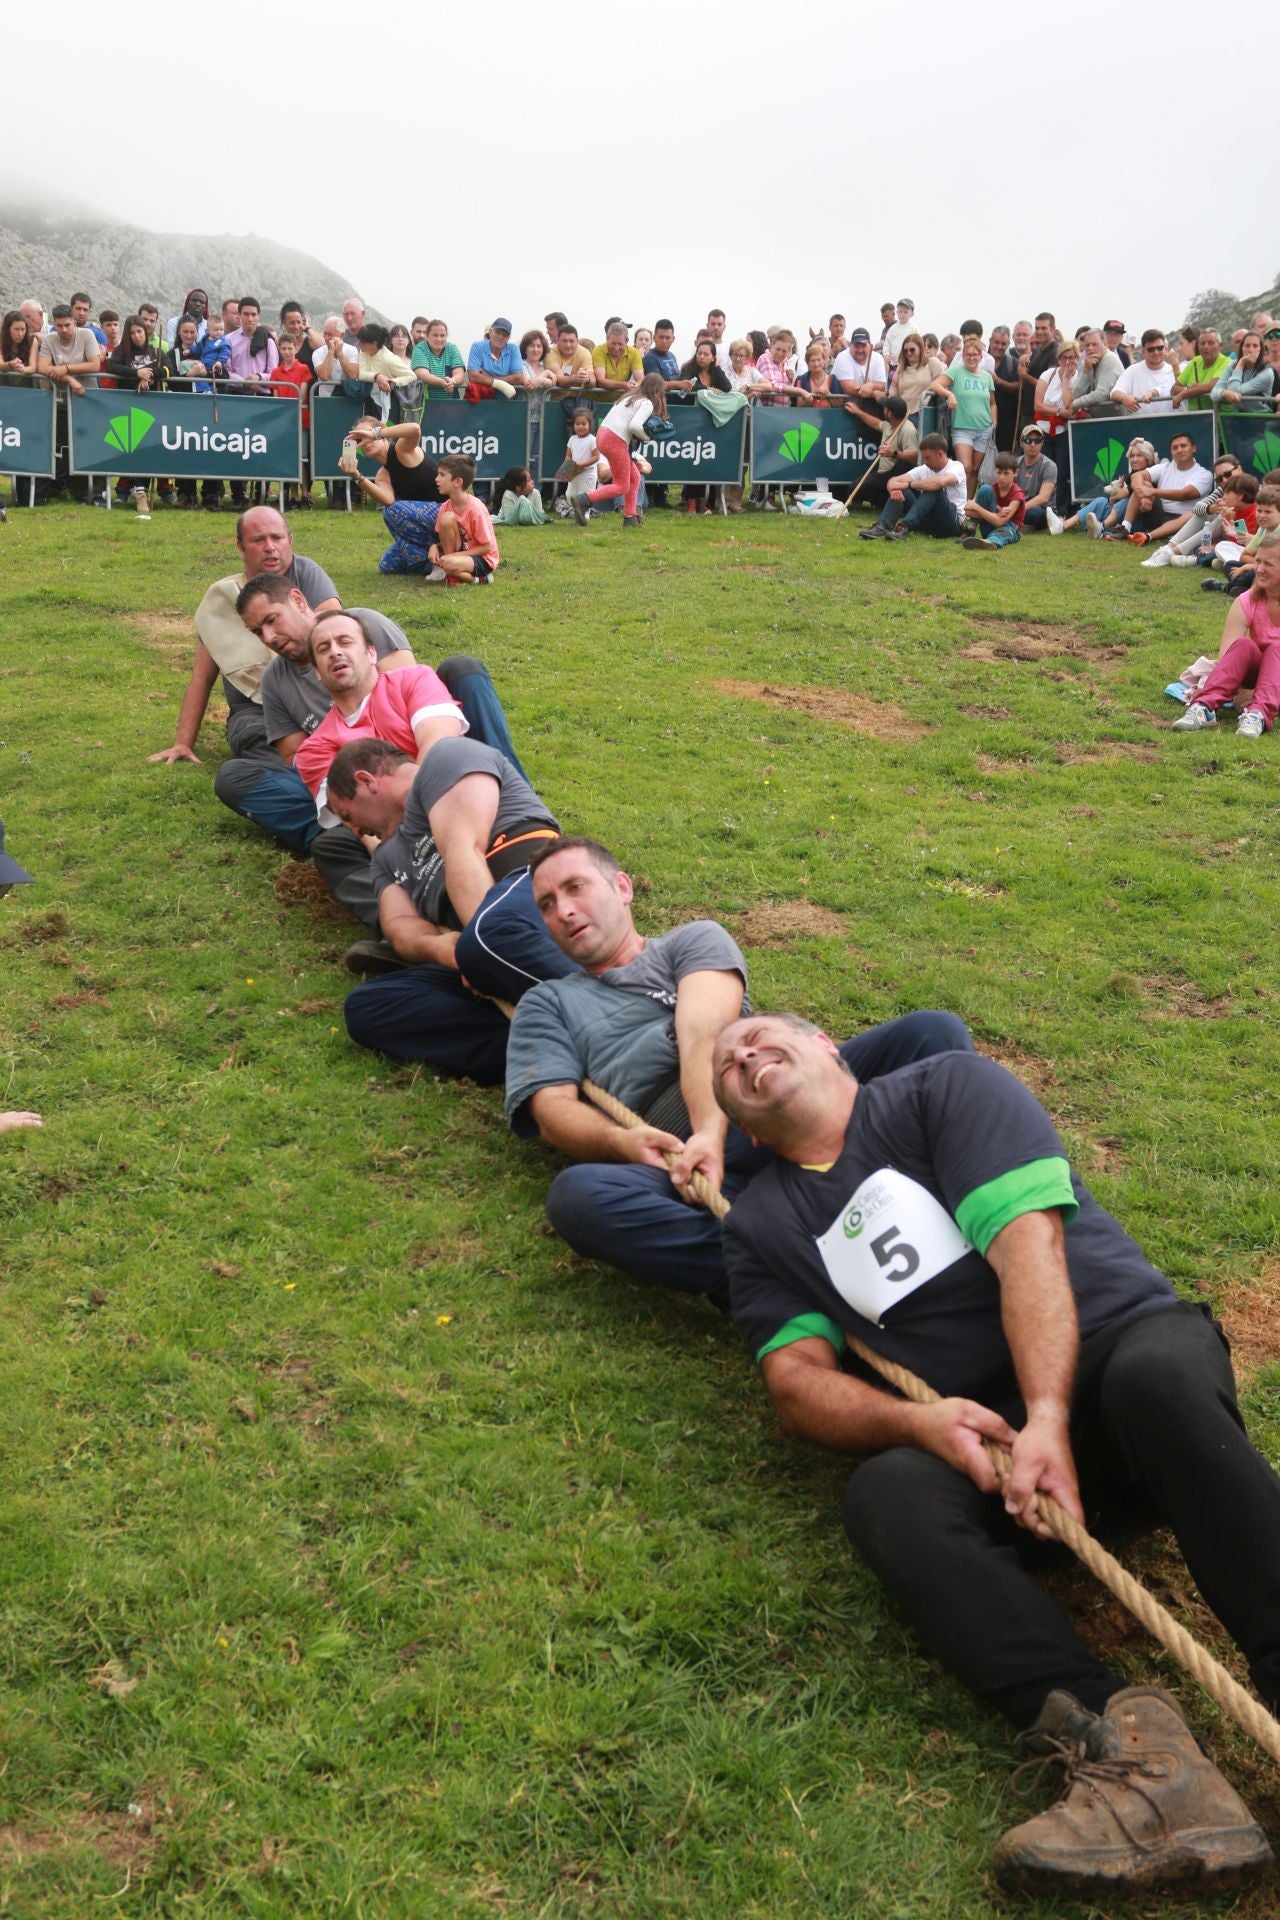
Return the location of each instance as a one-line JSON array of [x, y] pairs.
[[48, 253], [1216, 308]]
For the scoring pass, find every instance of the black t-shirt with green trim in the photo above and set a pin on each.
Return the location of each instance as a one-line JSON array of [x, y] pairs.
[[888, 1242]]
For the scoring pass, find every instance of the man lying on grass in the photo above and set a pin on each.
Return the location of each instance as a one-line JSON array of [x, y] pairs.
[[639, 1016], [455, 829], [934, 1217]]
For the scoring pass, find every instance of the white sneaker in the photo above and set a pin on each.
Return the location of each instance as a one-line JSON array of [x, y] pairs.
[[1182, 560], [1053, 520], [436, 577], [1160, 558], [1093, 525], [1251, 725], [1195, 718]]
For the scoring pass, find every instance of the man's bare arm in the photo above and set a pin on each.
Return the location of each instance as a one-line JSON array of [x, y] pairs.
[[818, 1402], [461, 823], [705, 1004], [414, 939], [1038, 1312], [204, 675], [568, 1122]]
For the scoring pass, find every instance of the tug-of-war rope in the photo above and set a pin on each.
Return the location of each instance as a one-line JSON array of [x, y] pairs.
[[1247, 1712]]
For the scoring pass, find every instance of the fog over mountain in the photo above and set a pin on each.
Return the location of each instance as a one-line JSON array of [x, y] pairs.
[[52, 249]]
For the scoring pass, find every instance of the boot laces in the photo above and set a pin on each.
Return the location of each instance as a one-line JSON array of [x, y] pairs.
[[1094, 1776]]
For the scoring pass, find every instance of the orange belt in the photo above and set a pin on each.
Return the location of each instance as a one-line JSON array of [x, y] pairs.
[[502, 844]]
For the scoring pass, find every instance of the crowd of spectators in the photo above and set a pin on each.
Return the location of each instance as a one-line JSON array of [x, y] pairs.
[[983, 392]]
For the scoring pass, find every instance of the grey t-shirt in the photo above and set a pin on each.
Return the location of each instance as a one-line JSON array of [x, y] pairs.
[[617, 1028], [293, 700], [314, 584], [1031, 475], [83, 346], [412, 860]]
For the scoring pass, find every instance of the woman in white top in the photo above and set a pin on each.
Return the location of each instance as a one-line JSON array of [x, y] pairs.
[[740, 373], [1053, 410], [626, 421]]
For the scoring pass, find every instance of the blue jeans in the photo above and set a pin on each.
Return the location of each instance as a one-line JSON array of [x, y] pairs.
[[412, 526], [426, 1013], [632, 1218], [995, 536], [930, 512]]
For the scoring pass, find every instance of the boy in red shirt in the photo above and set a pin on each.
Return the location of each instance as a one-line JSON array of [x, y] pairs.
[[295, 374], [465, 547], [999, 508]]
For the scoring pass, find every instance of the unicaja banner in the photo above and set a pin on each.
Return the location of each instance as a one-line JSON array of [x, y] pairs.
[[696, 452], [805, 444], [495, 433], [198, 436], [26, 429], [1253, 438], [1099, 448]]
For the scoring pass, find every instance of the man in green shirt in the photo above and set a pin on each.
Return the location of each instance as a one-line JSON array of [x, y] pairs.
[[1197, 379]]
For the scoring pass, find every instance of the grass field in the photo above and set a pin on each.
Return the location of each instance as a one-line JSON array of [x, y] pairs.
[[365, 1553]]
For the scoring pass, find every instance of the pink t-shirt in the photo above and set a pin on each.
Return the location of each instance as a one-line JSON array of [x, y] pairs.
[[477, 527], [397, 700], [1263, 626]]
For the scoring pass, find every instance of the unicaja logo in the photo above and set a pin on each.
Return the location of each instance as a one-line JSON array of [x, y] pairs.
[[1266, 453], [129, 430], [799, 443], [1109, 461]]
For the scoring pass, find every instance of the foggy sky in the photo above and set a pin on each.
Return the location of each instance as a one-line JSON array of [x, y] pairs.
[[779, 162]]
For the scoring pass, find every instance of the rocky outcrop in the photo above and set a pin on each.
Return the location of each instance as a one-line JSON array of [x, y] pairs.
[[47, 254]]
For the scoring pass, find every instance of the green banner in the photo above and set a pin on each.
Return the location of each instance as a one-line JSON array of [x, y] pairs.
[[696, 453], [1099, 448], [26, 429], [331, 421], [1254, 439], [805, 444], [200, 436], [494, 432]]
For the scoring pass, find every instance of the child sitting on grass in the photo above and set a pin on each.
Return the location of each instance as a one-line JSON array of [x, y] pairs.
[[464, 550], [999, 508], [1250, 656], [520, 503]]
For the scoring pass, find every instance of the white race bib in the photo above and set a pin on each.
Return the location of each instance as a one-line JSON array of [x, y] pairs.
[[890, 1238]]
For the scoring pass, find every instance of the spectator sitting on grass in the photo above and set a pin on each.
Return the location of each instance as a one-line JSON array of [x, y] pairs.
[[1161, 497], [519, 502], [929, 498], [1250, 656], [1038, 478], [1234, 520], [999, 508], [1103, 514], [465, 550]]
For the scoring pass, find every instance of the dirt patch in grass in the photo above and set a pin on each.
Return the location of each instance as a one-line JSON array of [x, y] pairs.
[[1183, 999], [1069, 756], [299, 885], [1030, 641], [54, 926], [874, 717], [781, 921], [67, 1002], [987, 713], [1104, 1154], [124, 1840], [992, 763], [1250, 1312], [1033, 1071]]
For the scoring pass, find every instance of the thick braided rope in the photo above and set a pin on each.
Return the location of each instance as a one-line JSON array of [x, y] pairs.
[[1247, 1712]]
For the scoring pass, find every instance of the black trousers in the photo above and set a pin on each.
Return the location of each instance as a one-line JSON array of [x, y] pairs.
[[1158, 1440]]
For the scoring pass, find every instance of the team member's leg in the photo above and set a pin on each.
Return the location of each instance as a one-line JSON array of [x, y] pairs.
[[899, 1043], [342, 860], [505, 948], [957, 1565], [1162, 1433], [426, 1013], [468, 681]]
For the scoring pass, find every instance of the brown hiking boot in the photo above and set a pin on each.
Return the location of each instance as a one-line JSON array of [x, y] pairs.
[[1143, 1807]]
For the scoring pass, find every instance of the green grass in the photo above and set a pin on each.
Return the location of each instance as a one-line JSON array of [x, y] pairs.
[[392, 1560]]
